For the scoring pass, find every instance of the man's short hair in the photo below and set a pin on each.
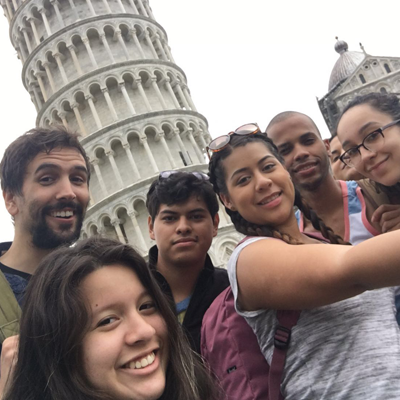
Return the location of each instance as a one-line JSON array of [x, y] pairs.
[[283, 116], [24, 149], [178, 188]]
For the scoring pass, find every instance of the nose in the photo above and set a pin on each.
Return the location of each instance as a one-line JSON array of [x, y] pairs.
[[366, 154], [65, 190], [300, 153], [138, 329], [183, 225], [262, 181]]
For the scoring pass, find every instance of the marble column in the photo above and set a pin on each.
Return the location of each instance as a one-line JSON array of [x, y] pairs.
[[99, 176], [116, 224], [75, 60], [110, 155], [142, 244], [110, 104], [78, 117], [131, 160], [89, 99], [86, 42], [143, 141]]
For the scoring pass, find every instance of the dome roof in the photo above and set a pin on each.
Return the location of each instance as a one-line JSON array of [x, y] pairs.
[[346, 64]]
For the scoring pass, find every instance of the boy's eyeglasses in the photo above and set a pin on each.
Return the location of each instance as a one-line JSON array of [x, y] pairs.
[[372, 142], [199, 175], [221, 142]]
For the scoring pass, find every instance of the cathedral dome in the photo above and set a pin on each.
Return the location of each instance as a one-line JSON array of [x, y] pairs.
[[346, 64]]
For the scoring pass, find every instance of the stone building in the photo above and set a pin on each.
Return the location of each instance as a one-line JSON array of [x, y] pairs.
[[357, 73], [104, 68]]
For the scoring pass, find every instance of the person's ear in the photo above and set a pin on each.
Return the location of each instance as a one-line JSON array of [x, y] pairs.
[[11, 203], [227, 202], [151, 228], [215, 223], [327, 147]]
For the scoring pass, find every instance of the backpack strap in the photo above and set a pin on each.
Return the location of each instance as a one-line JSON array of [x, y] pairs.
[[10, 311], [286, 321]]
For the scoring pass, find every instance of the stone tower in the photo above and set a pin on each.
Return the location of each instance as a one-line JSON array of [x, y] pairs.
[[104, 68], [356, 73]]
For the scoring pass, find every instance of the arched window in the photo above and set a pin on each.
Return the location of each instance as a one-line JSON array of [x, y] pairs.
[[383, 90], [362, 79], [387, 68]]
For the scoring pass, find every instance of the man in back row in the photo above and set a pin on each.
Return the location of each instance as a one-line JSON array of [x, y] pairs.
[[183, 220], [44, 179]]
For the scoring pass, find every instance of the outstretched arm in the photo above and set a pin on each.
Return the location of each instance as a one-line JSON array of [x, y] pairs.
[[272, 274]]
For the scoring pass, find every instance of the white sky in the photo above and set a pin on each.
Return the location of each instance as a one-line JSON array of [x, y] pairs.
[[245, 61]]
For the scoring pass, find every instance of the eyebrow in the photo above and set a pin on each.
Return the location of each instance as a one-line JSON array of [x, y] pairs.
[[171, 212], [361, 131], [57, 167], [335, 152], [302, 136], [246, 168]]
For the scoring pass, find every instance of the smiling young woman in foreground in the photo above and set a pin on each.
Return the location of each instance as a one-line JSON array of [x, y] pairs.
[[96, 326]]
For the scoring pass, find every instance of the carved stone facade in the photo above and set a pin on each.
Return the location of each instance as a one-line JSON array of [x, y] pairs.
[[104, 68], [357, 73]]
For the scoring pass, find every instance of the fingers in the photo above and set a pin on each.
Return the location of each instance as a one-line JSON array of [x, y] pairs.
[[388, 217]]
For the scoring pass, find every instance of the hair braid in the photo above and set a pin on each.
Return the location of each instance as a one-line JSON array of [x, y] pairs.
[[317, 222]]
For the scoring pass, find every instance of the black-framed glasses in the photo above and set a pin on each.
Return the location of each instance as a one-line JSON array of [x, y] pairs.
[[199, 175], [221, 142], [372, 142]]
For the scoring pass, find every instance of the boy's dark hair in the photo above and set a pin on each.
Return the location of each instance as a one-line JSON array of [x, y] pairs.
[[177, 189], [24, 149]]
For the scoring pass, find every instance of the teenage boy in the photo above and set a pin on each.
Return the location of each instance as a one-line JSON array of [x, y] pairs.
[[183, 220]]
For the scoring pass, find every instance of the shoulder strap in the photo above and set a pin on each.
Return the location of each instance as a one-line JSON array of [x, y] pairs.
[[10, 311], [286, 321]]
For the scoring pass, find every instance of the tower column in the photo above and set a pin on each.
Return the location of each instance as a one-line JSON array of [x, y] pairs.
[[143, 141], [73, 8], [135, 10], [41, 85], [166, 149], [122, 43], [57, 57], [181, 95], [181, 145], [9, 9], [150, 43], [137, 43], [160, 46], [172, 94], [142, 8], [89, 99], [195, 147], [168, 51], [63, 116], [27, 41], [75, 60], [49, 76], [188, 98], [95, 164], [148, 9], [35, 34], [143, 94], [126, 97], [86, 42], [116, 224], [158, 92], [90, 5], [110, 155], [107, 6], [45, 20], [57, 11], [110, 104], [121, 6], [106, 45], [78, 117], [132, 215], [36, 94], [131, 160]]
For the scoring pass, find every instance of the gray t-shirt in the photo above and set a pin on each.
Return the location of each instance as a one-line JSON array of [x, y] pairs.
[[343, 351]]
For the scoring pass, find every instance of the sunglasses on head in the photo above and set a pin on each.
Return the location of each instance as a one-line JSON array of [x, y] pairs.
[[199, 175], [221, 142]]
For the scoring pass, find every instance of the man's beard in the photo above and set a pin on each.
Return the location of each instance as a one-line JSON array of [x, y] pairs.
[[43, 237]]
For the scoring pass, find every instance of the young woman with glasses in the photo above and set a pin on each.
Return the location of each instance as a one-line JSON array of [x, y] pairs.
[[369, 130], [346, 343], [96, 326]]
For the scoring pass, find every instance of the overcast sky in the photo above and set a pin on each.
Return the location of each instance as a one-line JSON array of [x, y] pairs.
[[245, 61]]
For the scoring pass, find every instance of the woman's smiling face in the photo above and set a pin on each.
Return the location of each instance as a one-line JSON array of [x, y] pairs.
[[383, 165], [259, 187], [125, 352]]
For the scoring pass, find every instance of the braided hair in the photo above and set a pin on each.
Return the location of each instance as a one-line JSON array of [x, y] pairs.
[[217, 178]]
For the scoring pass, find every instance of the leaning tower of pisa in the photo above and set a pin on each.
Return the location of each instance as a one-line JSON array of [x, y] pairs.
[[104, 68]]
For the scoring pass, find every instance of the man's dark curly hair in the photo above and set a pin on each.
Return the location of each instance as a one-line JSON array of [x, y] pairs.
[[25, 148], [177, 189]]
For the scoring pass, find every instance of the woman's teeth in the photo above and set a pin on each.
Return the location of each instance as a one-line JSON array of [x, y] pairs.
[[144, 362]]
